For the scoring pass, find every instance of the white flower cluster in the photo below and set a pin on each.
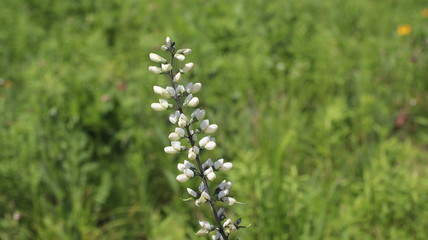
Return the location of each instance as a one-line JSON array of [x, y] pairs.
[[185, 138]]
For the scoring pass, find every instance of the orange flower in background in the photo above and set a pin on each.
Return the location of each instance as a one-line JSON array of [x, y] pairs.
[[404, 30], [425, 12]]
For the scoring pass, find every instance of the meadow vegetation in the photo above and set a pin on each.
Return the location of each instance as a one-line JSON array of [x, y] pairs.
[[322, 107]]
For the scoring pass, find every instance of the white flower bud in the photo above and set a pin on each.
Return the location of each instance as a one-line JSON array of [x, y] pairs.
[[179, 89], [171, 91], [176, 145], [164, 103], [226, 166], [180, 57], [201, 187], [187, 164], [228, 185], [189, 87], [211, 176], [177, 77], [218, 163], [173, 118], [222, 194], [227, 222], [181, 167], [204, 124], [164, 48], [208, 171], [155, 70], [157, 107], [161, 91], [210, 145], [193, 152], [173, 136], [207, 163], [189, 173], [192, 193], [168, 42], [206, 225], [180, 132], [202, 232], [156, 58], [193, 102], [205, 195], [184, 51], [203, 142], [187, 99], [196, 88], [211, 129], [166, 67], [229, 200], [187, 67], [182, 120], [170, 150], [220, 213], [182, 178], [199, 114]]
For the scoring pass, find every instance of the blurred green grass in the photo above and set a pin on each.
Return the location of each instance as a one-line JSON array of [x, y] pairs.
[[322, 108]]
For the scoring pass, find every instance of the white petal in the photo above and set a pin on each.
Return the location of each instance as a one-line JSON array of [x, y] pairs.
[[203, 142], [174, 136], [202, 232], [164, 103], [187, 67], [207, 163], [157, 107], [171, 91], [201, 115], [218, 163], [189, 87], [222, 185], [226, 166], [184, 51], [211, 129], [201, 187], [173, 118], [222, 194], [228, 185], [155, 70], [156, 58], [180, 167], [192, 193], [189, 173], [229, 200], [182, 178], [170, 150], [180, 132], [187, 164], [193, 102], [187, 99], [205, 195], [176, 145], [205, 124], [210, 145], [179, 89], [208, 171], [177, 77], [180, 57], [196, 88], [166, 67], [168, 42], [164, 48], [211, 176]]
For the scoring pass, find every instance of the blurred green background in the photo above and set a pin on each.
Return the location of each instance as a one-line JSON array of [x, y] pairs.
[[322, 108]]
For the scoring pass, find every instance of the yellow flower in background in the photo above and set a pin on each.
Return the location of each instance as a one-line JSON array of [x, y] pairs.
[[425, 12], [404, 30]]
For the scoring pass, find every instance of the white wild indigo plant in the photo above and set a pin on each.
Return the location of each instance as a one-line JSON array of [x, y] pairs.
[[192, 134]]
